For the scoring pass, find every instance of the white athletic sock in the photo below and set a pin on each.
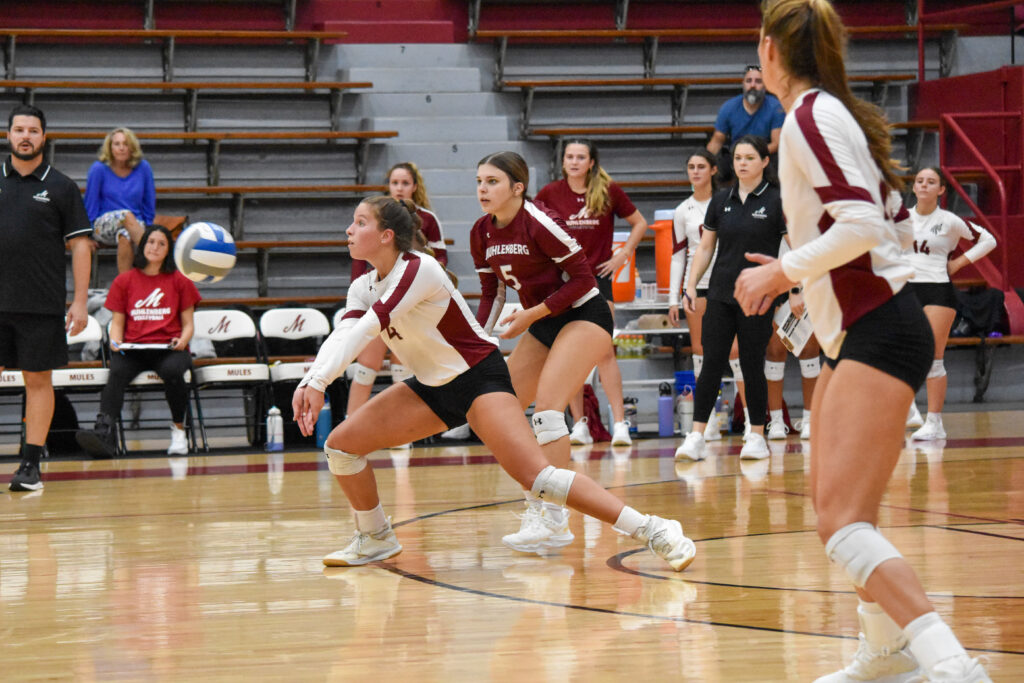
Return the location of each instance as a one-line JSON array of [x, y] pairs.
[[746, 415], [935, 417], [629, 521], [776, 415], [371, 520], [807, 416], [698, 363], [932, 641], [881, 632]]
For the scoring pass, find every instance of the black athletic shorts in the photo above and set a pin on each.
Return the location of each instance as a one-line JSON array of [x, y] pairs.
[[702, 293], [595, 310], [451, 401], [604, 285], [33, 342], [894, 338], [934, 293]]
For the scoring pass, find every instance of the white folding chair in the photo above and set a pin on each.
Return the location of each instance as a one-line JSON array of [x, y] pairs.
[[81, 375], [292, 324]]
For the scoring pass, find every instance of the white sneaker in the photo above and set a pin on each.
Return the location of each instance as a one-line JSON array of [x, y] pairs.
[[365, 548], [777, 430], [666, 540], [543, 527], [755, 447], [914, 418], [713, 429], [402, 446], [805, 430], [692, 448], [931, 431], [960, 669], [620, 434], [179, 444], [459, 433], [880, 666], [580, 434]]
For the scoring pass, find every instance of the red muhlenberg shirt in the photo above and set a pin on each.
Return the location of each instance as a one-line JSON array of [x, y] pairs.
[[152, 304], [594, 233]]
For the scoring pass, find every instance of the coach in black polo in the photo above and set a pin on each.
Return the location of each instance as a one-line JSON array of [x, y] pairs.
[[41, 211]]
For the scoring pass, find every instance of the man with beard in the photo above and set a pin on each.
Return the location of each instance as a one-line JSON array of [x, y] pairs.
[[754, 112], [41, 211]]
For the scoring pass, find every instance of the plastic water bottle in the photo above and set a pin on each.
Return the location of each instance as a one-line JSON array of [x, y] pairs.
[[684, 411], [323, 423], [629, 409], [665, 410], [275, 429]]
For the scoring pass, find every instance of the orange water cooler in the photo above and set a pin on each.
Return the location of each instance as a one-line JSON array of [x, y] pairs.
[[662, 227], [623, 281]]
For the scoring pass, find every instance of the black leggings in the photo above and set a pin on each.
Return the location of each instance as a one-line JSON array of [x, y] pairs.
[[723, 321], [170, 365]]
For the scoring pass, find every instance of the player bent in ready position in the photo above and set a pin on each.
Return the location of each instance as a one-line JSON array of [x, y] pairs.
[[459, 375]]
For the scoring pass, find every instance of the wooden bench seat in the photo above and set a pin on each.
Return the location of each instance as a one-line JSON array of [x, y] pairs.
[[166, 39], [191, 91]]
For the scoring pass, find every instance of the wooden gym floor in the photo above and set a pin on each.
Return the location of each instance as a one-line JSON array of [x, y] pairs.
[[208, 568]]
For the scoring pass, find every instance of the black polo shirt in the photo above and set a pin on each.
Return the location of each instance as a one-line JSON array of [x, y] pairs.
[[754, 226], [38, 213]]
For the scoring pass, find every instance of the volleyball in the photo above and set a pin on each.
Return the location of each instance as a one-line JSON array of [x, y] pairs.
[[204, 252]]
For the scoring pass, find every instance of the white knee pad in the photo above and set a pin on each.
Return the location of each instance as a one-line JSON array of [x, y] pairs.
[[737, 371], [773, 371], [360, 374], [938, 369], [859, 548], [342, 463], [399, 373], [552, 485], [810, 368], [549, 425]]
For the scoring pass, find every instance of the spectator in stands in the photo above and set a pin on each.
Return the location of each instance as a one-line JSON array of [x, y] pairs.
[[937, 233], [120, 195], [404, 183], [41, 214], [740, 220], [588, 200], [754, 112], [152, 305]]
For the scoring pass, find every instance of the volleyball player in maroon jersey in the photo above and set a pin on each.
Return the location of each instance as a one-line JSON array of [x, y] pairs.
[[565, 326], [588, 201]]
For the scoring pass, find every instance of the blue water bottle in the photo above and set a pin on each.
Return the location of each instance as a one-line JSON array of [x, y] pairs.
[[666, 411], [323, 423]]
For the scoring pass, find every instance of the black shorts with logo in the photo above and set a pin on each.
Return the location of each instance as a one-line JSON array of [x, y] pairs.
[[452, 401], [595, 310], [33, 342]]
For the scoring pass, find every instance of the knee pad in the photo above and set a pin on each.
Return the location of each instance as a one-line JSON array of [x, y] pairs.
[[549, 425], [360, 374], [938, 369], [859, 548], [399, 373], [698, 363], [737, 371], [342, 463], [810, 368], [552, 485], [774, 371]]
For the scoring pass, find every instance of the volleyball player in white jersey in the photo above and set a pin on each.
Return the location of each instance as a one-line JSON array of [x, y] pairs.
[[937, 233], [459, 375], [565, 324], [847, 229]]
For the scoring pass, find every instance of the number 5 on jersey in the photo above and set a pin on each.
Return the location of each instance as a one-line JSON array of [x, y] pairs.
[[506, 274]]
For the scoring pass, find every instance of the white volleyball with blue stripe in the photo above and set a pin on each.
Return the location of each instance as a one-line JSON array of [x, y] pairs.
[[204, 252]]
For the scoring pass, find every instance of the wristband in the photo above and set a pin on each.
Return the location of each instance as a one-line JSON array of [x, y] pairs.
[[796, 290]]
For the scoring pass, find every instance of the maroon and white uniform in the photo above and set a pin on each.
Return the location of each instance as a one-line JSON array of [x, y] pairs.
[[535, 256], [847, 233], [687, 229], [936, 236], [431, 228], [420, 316], [594, 233]]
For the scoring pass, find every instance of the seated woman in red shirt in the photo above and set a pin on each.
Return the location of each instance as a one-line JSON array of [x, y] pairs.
[[152, 305]]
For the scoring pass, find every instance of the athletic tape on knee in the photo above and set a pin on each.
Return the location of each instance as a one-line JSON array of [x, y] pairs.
[[360, 374], [549, 425], [810, 368], [399, 373], [859, 548], [552, 485], [737, 371], [938, 369], [774, 371], [342, 463]]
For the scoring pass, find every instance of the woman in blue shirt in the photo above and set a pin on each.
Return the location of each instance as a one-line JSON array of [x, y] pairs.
[[120, 196]]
